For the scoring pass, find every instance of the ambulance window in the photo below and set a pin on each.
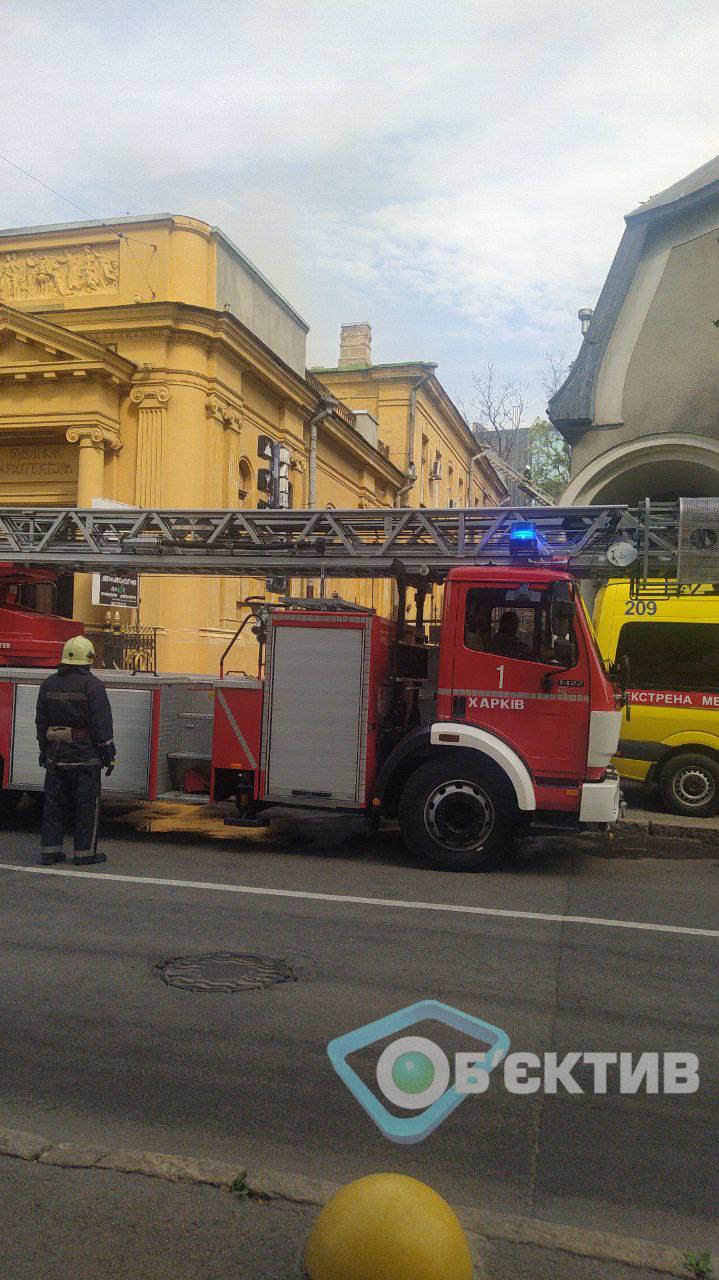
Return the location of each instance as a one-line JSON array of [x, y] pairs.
[[671, 655], [513, 623]]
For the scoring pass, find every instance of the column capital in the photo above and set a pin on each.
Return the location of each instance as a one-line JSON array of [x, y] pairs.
[[94, 437], [222, 411], [150, 395]]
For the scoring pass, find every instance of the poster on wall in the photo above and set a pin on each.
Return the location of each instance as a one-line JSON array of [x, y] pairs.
[[119, 590]]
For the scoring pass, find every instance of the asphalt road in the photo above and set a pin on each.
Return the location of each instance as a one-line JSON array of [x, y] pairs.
[[95, 1047]]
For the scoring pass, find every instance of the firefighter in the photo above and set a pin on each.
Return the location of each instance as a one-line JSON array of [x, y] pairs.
[[506, 641], [74, 732]]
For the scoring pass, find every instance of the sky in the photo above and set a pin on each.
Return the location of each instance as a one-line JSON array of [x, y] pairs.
[[454, 173]]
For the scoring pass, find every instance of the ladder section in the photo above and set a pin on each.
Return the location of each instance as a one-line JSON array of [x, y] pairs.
[[649, 541]]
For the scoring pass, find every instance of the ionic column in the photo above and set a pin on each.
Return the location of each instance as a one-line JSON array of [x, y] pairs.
[[152, 412], [91, 442], [91, 462]]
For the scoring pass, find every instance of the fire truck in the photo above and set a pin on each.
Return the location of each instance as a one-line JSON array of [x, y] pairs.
[[502, 716]]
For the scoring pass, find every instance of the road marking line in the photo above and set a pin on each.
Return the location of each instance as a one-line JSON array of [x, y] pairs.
[[406, 905]]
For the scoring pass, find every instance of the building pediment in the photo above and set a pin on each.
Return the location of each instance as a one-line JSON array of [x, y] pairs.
[[31, 347]]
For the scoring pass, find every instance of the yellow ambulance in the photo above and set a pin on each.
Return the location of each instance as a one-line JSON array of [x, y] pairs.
[[671, 649]]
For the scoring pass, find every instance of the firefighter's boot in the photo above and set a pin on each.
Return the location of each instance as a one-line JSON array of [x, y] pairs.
[[90, 861]]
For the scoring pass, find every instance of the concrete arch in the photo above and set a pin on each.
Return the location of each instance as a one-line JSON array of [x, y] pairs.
[[655, 466]]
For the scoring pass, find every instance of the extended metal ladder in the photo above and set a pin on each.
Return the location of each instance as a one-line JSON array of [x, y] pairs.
[[676, 541]]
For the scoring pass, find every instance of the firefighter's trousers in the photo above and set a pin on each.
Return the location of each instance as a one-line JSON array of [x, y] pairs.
[[72, 800]]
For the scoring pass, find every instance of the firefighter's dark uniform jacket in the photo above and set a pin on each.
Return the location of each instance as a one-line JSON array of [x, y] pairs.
[[74, 730]]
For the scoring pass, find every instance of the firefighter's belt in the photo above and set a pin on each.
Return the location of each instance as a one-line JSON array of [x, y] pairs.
[[61, 733]]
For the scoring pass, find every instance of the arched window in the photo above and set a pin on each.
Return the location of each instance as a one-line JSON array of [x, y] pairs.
[[244, 484]]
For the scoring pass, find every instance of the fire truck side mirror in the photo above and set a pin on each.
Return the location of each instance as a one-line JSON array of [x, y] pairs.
[[563, 609], [620, 672]]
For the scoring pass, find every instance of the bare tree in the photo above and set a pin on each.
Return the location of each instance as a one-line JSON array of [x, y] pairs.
[[556, 369], [499, 405]]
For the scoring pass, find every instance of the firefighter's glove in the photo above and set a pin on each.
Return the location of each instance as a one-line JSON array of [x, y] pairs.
[[42, 759], [107, 756]]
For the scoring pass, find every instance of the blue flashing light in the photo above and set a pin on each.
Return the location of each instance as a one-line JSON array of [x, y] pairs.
[[523, 539], [522, 532]]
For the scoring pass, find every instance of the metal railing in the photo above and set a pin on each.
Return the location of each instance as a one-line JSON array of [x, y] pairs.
[[127, 649]]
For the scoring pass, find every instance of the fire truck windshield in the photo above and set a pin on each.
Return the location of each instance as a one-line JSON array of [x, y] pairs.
[[515, 623]]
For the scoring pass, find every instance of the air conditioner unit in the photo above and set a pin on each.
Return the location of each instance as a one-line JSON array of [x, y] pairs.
[[436, 470]]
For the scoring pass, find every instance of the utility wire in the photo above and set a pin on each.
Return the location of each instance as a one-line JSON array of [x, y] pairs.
[[120, 234]]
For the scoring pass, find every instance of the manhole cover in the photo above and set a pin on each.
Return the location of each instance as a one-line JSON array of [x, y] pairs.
[[224, 971]]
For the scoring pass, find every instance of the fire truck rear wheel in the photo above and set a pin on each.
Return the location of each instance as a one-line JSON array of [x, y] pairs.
[[689, 784], [457, 817]]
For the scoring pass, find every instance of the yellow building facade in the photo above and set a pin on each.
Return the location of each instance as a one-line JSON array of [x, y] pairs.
[[418, 426], [405, 410], [140, 363]]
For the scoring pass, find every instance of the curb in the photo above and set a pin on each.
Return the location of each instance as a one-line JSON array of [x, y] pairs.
[[682, 831], [267, 1185], [635, 838]]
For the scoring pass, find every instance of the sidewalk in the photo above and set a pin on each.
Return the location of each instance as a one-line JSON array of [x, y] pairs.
[[58, 1221], [79, 1224]]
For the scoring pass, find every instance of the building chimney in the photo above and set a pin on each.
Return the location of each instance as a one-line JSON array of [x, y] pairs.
[[355, 346]]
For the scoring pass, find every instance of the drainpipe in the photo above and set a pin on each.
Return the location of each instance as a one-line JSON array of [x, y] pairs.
[[412, 417], [475, 458], [329, 403], [411, 480]]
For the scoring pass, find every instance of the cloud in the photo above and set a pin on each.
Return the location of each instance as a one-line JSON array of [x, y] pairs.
[[457, 170]]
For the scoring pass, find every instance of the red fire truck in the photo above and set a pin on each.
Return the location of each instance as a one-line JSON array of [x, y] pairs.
[[502, 716]]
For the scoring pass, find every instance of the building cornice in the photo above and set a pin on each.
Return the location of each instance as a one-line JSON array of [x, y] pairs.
[[182, 322]]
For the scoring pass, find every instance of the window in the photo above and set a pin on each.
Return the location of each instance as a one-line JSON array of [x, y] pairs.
[[516, 622], [671, 655], [244, 483]]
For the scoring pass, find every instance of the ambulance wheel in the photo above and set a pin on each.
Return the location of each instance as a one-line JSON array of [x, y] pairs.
[[689, 783], [457, 817]]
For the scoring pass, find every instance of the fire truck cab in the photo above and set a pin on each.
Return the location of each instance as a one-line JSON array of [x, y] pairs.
[[505, 718]]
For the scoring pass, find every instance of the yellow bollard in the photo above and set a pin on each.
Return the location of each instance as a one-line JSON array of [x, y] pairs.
[[387, 1227]]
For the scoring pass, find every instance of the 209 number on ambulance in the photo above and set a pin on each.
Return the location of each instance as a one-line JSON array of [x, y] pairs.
[[640, 608]]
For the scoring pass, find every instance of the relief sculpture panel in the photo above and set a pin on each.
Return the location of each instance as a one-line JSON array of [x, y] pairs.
[[57, 273]]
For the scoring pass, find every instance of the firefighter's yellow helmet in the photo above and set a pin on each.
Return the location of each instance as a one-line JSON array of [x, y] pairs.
[[78, 652]]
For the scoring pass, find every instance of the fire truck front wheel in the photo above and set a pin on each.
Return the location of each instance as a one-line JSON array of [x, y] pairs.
[[457, 817]]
